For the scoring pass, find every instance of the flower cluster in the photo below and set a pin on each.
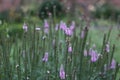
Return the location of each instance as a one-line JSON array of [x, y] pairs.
[[68, 30], [46, 27], [73, 51]]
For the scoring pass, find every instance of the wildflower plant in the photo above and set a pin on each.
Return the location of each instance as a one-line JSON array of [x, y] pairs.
[[56, 52]]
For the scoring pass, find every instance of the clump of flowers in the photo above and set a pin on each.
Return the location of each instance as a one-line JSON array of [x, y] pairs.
[[57, 52]]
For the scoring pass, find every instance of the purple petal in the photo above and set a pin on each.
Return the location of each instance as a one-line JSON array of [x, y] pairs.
[[62, 72], [113, 64], [85, 53], [69, 49], [72, 27], [82, 34], [107, 48], [46, 25], [25, 27], [94, 56], [45, 58], [68, 32]]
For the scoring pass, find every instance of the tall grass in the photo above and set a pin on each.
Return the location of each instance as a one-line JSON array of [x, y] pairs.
[[56, 52]]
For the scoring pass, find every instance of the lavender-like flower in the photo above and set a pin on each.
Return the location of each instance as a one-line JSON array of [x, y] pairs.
[[82, 34], [56, 27], [113, 64], [105, 68], [62, 72], [45, 58], [25, 27], [107, 48], [68, 32], [46, 27], [46, 30], [72, 27], [63, 26], [69, 49], [90, 51], [94, 55]]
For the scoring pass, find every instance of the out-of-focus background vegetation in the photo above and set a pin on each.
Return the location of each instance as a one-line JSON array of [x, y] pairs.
[[18, 10]]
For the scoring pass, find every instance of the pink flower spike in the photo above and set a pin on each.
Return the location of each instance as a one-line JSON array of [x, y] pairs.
[[46, 25], [94, 56], [69, 49], [107, 48], [25, 27], [62, 72], [56, 27], [68, 32], [45, 58], [82, 34], [113, 64], [63, 26], [72, 27]]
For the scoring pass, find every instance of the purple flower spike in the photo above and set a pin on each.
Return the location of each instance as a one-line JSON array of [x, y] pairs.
[[46, 30], [62, 72], [91, 51], [68, 32], [46, 25], [94, 56], [69, 49], [25, 27], [113, 64], [45, 58], [56, 27], [72, 27], [82, 34], [107, 48]]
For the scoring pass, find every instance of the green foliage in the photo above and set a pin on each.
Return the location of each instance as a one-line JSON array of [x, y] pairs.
[[23, 58], [106, 11], [12, 31], [15, 15], [54, 7], [12, 15], [4, 15]]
